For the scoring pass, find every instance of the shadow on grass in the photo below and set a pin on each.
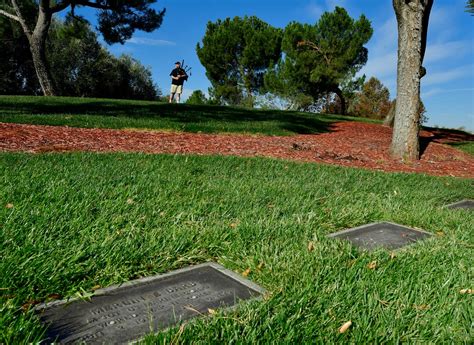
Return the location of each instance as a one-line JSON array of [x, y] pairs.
[[292, 121], [452, 137]]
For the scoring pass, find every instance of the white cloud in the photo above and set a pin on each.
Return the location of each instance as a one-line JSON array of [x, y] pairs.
[[331, 4], [381, 66], [314, 10], [150, 42], [448, 75], [437, 91], [385, 37], [445, 50]]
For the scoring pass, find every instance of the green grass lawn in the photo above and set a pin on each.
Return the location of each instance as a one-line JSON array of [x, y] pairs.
[[80, 220], [104, 113], [467, 146]]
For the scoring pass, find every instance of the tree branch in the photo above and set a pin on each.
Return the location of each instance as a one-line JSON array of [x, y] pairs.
[[60, 6], [9, 15], [314, 47], [92, 4], [21, 20]]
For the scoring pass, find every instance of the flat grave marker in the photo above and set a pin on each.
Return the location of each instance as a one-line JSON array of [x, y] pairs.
[[127, 312], [465, 204], [386, 235]]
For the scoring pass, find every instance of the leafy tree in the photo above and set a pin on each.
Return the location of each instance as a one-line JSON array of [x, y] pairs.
[[80, 65], [470, 7], [412, 17], [118, 20], [373, 101], [236, 53], [17, 71], [197, 97], [321, 58]]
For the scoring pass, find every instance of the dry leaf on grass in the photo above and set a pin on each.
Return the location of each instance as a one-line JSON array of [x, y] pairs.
[[129, 201], [246, 272], [372, 265], [54, 296], [345, 326], [466, 291], [211, 311], [9, 205], [95, 287], [421, 307], [311, 246]]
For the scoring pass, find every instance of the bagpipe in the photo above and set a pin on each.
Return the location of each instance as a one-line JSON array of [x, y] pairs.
[[187, 71]]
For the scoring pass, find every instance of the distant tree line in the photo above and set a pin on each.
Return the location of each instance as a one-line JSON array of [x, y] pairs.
[[78, 65]]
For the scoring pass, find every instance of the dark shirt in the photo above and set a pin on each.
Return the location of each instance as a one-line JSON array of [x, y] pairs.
[[178, 72]]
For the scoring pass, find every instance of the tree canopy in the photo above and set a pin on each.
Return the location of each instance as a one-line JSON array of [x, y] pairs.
[[80, 65], [373, 101], [236, 53], [320, 58], [117, 21]]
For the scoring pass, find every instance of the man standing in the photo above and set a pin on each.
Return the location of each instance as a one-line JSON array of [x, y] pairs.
[[178, 76]]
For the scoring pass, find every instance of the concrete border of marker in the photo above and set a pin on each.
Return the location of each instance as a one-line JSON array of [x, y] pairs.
[[460, 205], [340, 234], [150, 279]]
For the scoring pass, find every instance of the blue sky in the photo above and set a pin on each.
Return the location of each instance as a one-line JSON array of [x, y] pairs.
[[447, 89]]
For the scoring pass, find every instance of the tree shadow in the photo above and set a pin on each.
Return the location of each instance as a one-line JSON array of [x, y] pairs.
[[452, 137], [288, 121]]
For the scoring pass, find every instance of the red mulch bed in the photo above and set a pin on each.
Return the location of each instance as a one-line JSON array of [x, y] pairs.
[[352, 144]]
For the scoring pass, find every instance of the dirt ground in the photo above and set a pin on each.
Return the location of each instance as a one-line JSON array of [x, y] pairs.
[[352, 144]]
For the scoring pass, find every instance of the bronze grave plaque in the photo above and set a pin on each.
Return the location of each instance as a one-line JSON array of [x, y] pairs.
[[130, 311]]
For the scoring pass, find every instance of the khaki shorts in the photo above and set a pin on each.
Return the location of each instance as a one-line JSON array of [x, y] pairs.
[[177, 89]]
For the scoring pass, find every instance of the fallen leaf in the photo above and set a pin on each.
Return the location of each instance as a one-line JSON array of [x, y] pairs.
[[246, 272], [466, 291], [421, 307], [188, 307], [95, 287], [345, 326], [393, 255], [440, 233], [54, 296], [372, 265], [26, 306], [211, 311], [9, 205], [310, 246], [233, 225], [351, 263], [129, 201]]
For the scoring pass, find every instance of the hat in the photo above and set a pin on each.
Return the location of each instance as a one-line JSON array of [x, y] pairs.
[[177, 63]]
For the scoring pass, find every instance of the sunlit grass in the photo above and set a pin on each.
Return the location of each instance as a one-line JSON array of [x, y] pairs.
[[73, 221], [119, 114]]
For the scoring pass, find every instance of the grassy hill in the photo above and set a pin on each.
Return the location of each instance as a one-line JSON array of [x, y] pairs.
[[103, 113], [74, 221], [71, 222]]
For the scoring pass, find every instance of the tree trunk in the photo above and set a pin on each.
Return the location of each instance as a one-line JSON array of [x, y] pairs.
[[388, 121], [37, 42], [411, 18], [339, 94]]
